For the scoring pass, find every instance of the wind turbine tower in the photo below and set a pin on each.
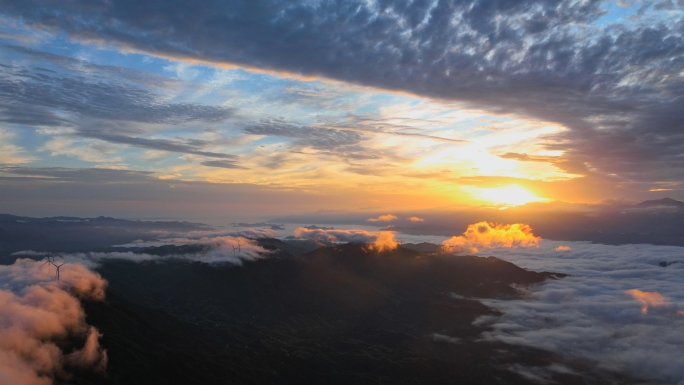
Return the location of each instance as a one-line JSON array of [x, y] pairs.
[[58, 266]]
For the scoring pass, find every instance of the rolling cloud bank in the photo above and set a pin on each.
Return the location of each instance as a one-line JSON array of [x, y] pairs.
[[39, 315], [621, 307], [221, 249]]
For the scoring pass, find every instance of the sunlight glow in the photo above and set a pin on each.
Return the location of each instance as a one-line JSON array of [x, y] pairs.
[[511, 195]]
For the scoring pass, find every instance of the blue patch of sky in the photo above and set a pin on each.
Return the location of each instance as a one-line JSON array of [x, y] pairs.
[[59, 161], [616, 13], [635, 12], [28, 138]]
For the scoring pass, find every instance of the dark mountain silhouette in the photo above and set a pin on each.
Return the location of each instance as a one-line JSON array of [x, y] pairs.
[[73, 234], [423, 247], [669, 202]]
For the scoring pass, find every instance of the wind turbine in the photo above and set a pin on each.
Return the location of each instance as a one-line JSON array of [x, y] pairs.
[[58, 266], [239, 251], [51, 261], [234, 249]]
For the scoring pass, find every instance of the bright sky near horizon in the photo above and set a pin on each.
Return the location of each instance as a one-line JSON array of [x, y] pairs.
[[334, 105]]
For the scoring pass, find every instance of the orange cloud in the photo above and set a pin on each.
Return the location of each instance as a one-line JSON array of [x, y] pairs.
[[91, 355], [489, 235], [385, 241], [415, 219], [647, 298], [383, 218], [563, 248], [381, 240], [38, 313]]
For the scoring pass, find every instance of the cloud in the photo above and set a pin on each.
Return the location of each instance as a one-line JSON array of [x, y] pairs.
[[563, 248], [381, 240], [319, 138], [445, 338], [208, 235], [9, 152], [35, 96], [38, 314], [254, 233], [222, 249], [91, 355], [383, 218], [222, 164], [415, 219], [608, 82], [375, 126], [647, 299], [619, 308], [89, 175], [30, 253], [490, 235], [191, 147]]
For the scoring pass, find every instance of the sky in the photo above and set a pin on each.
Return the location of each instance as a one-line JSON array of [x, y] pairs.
[[249, 109]]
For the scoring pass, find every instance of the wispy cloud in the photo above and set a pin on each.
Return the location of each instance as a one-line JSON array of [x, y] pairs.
[[553, 61], [193, 147], [383, 218]]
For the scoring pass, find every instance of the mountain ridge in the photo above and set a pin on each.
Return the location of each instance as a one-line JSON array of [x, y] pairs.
[[669, 202]]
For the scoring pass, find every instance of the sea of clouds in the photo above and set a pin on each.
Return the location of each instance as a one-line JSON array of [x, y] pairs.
[[619, 308]]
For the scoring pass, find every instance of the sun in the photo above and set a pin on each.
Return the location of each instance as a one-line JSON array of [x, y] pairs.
[[512, 195]]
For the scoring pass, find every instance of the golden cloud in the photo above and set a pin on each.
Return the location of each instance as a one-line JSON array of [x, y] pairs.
[[490, 235], [647, 298], [383, 218]]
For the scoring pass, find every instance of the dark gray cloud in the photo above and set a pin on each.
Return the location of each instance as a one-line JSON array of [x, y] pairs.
[[321, 138], [609, 83], [61, 174], [344, 142], [40, 96], [221, 164], [187, 147]]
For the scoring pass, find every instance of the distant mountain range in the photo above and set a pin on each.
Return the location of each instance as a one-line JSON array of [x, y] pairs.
[[73, 234], [669, 202], [17, 218]]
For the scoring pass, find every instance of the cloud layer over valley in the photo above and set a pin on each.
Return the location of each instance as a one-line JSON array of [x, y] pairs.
[[621, 307]]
